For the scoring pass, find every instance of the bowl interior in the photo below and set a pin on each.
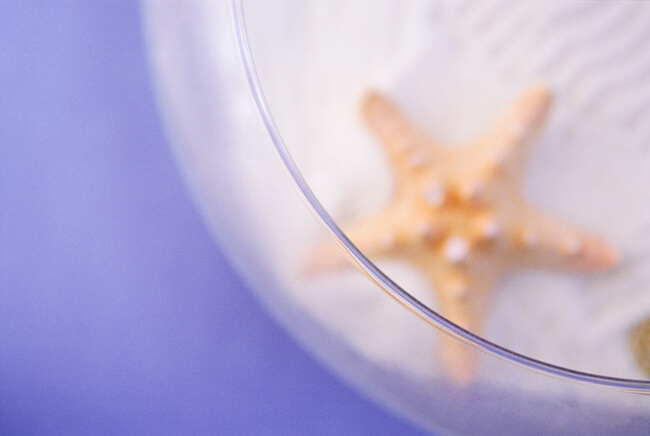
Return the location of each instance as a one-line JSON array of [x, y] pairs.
[[451, 66]]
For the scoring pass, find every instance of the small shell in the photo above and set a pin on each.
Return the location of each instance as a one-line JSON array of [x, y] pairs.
[[640, 345]]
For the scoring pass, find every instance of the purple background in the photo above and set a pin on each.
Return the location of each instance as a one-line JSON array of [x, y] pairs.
[[118, 314]]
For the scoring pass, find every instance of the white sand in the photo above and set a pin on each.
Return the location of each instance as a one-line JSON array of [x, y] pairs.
[[452, 65]]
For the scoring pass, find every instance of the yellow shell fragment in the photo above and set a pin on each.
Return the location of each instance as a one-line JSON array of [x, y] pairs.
[[640, 344]]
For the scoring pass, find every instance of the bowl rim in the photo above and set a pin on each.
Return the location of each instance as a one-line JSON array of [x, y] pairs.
[[371, 270]]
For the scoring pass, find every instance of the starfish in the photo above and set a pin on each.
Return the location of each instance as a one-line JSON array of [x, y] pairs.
[[459, 215]]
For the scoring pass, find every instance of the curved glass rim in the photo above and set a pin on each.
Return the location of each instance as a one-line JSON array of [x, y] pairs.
[[372, 271]]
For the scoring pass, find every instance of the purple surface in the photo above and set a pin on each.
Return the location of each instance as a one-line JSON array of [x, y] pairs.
[[118, 314]]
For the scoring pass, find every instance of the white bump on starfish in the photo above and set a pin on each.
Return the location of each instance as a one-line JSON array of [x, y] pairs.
[[572, 245], [424, 229], [417, 160], [435, 194], [387, 241], [500, 158], [471, 192], [489, 227], [520, 132], [458, 289], [529, 237], [430, 232], [456, 249]]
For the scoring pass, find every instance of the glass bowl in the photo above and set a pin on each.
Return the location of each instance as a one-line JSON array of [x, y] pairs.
[[261, 101]]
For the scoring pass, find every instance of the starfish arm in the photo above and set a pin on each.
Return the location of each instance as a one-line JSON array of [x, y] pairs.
[[407, 147], [462, 299], [549, 243], [508, 144], [375, 236]]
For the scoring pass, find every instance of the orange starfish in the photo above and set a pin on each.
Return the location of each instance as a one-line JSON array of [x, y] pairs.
[[459, 215]]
